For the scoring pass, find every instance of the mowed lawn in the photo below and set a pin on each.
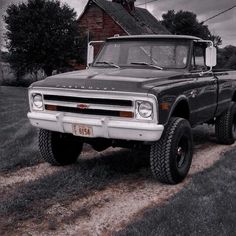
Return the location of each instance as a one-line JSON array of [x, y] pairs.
[[18, 139]]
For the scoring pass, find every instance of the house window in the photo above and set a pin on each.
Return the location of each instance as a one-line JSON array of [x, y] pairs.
[[99, 21]]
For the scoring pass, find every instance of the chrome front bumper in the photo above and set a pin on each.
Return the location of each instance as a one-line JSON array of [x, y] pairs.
[[102, 127]]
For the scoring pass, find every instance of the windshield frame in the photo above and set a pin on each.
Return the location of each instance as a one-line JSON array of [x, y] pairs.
[[180, 41]]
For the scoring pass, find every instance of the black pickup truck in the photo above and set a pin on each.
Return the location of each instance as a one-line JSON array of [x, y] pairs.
[[140, 90]]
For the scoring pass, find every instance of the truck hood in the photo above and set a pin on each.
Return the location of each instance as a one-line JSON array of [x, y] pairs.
[[128, 80]]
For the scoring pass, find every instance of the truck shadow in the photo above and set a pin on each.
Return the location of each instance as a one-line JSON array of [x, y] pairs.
[[204, 134], [130, 161]]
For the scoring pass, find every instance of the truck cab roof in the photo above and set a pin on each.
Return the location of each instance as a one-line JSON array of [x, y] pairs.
[[153, 36]]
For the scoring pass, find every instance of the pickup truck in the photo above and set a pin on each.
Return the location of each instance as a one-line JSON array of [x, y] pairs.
[[139, 92]]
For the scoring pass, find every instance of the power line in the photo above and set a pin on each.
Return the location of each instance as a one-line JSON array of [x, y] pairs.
[[212, 17], [146, 2], [220, 13]]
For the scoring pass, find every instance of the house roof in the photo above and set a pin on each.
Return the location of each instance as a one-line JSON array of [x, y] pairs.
[[140, 21]]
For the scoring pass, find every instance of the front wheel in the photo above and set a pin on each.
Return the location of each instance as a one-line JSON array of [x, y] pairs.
[[59, 148], [171, 156]]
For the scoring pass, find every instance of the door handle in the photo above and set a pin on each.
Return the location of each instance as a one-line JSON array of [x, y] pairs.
[[193, 93]]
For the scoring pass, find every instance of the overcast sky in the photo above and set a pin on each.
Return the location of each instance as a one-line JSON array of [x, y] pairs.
[[223, 25]]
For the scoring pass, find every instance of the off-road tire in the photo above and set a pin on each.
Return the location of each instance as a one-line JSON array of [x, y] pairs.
[[225, 126], [164, 154], [59, 148]]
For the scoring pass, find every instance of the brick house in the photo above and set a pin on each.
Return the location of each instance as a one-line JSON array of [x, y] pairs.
[[102, 19]]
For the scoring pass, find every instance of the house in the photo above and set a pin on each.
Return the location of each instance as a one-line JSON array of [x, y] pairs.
[[102, 19]]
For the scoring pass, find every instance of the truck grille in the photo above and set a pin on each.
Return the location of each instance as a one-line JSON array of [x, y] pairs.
[[90, 106], [88, 100]]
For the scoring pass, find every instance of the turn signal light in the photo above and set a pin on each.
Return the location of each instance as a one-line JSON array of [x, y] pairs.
[[128, 114], [51, 107], [165, 106]]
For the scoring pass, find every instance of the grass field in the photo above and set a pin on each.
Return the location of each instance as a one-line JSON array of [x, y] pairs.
[[105, 192], [18, 138]]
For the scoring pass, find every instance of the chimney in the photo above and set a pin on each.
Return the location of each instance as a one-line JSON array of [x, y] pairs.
[[127, 4]]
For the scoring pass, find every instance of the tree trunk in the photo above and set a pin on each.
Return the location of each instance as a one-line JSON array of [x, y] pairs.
[[1, 73], [1, 68]]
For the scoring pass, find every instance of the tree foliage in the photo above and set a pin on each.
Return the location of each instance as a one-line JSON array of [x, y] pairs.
[[40, 34], [186, 23], [227, 57]]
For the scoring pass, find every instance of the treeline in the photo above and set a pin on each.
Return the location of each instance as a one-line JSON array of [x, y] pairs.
[[185, 22], [226, 57]]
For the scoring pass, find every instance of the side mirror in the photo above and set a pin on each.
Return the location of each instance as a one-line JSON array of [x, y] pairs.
[[211, 56], [90, 54]]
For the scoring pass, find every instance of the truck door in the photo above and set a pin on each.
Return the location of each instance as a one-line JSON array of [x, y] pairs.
[[203, 94], [225, 84]]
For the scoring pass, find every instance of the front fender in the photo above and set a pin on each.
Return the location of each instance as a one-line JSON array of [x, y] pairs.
[[184, 113]]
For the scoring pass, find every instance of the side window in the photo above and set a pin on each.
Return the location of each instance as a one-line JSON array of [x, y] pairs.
[[198, 58]]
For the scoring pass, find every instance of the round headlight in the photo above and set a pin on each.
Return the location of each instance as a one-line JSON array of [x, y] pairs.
[[38, 100], [145, 109]]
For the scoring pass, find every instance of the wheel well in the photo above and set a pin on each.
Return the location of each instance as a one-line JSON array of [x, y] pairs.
[[181, 110], [234, 97]]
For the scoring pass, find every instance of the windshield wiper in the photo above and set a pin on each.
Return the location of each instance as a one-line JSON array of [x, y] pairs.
[[146, 64], [108, 63]]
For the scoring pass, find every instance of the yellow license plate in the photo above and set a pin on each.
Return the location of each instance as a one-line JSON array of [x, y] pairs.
[[82, 130]]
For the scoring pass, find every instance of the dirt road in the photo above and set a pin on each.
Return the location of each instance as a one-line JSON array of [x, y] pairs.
[[99, 195]]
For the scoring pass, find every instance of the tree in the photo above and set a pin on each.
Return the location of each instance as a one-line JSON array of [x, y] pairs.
[[40, 34], [227, 57], [185, 22]]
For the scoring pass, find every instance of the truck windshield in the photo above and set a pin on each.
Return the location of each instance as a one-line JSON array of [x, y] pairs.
[[158, 54]]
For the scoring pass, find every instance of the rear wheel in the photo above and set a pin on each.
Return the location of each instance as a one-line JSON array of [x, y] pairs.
[[59, 148], [225, 126], [171, 156]]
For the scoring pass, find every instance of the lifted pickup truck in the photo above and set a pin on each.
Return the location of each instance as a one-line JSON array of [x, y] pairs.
[[140, 90]]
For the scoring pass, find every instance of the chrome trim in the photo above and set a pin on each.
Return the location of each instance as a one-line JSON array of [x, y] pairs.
[[100, 94], [91, 106], [32, 104], [102, 127]]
